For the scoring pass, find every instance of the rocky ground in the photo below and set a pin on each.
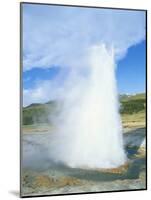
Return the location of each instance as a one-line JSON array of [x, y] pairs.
[[41, 176]]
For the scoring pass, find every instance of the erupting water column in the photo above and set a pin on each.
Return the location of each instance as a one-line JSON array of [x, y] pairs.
[[91, 132]]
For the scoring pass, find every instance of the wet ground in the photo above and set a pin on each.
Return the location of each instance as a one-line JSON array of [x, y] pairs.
[[41, 176]]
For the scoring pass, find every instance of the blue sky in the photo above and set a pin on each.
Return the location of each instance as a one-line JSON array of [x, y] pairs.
[[131, 71], [56, 39]]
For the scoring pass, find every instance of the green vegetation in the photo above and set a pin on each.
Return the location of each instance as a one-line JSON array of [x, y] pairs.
[[38, 113], [41, 113], [132, 104], [133, 110], [126, 97]]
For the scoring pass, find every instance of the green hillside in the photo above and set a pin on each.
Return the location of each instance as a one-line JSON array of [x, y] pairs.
[[132, 103], [126, 97], [39, 113], [42, 113]]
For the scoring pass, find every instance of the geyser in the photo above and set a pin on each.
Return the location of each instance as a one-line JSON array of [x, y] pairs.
[[90, 131]]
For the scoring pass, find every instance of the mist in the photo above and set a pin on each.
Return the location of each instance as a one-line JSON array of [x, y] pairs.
[[89, 131]]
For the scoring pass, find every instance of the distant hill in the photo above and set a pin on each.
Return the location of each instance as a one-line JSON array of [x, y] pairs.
[[132, 103], [126, 97], [42, 113], [39, 113]]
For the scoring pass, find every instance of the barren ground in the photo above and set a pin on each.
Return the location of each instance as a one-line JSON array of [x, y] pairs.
[[41, 176]]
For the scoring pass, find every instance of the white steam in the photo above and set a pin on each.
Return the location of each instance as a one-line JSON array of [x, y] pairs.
[[90, 132]]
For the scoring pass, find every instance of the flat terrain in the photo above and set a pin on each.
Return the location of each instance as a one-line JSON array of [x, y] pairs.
[[40, 175]]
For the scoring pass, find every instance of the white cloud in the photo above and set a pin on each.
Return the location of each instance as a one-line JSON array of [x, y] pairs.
[[41, 93], [62, 35], [57, 88]]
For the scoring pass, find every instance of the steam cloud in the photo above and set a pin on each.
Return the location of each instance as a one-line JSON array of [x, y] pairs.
[[88, 43], [90, 133]]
